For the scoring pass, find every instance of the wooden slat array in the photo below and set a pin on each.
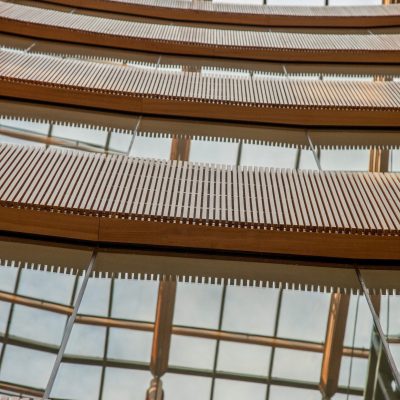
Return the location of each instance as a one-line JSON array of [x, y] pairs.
[[207, 11], [294, 11], [169, 191], [50, 71], [188, 40]]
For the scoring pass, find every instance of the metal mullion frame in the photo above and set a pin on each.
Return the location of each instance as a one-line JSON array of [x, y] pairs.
[[69, 326], [134, 365], [377, 323], [106, 342], [221, 316], [10, 315], [272, 356]]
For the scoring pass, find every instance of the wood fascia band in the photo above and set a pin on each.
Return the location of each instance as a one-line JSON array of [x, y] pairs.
[[84, 83], [201, 11], [116, 199], [273, 46]]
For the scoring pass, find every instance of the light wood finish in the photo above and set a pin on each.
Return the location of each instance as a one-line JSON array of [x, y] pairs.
[[379, 160], [333, 349], [274, 46], [118, 199], [261, 99], [163, 328], [242, 14]]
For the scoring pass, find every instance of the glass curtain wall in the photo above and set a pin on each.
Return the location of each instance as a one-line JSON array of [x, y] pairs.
[[229, 339]]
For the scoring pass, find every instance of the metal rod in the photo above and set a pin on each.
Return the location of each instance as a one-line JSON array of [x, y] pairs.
[[69, 326], [316, 157], [375, 318]]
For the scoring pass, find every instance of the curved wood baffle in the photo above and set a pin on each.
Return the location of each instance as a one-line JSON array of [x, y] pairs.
[[241, 14], [117, 199], [273, 46], [191, 94]]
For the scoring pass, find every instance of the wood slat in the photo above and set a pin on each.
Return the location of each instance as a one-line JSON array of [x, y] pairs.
[[283, 46], [249, 14], [45, 76], [182, 192]]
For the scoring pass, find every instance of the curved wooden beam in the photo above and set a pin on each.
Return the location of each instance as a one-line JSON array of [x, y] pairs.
[[254, 99], [273, 46], [117, 199], [242, 14]]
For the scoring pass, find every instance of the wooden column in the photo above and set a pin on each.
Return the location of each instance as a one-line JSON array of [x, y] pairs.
[[378, 160], [333, 349], [180, 148], [163, 328]]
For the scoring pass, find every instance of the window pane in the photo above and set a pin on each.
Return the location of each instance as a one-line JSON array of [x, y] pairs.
[[244, 358], [353, 372], [8, 276], [37, 325], [36, 369], [125, 384], [304, 315], [344, 160], [234, 390], [341, 396], [120, 141], [26, 126], [4, 315], [130, 345], [213, 152], [394, 160], [192, 352], [184, 387], [77, 382], [289, 393], [197, 305], [135, 299], [96, 298], [96, 137], [261, 155], [395, 350], [151, 147], [46, 285], [307, 160], [250, 310], [359, 324], [297, 365], [86, 340]]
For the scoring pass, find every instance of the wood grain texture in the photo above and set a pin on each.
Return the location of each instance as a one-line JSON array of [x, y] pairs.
[[274, 46], [191, 94], [117, 199], [242, 14]]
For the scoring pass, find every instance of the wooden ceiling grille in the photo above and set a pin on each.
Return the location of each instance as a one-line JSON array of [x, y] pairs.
[[247, 14], [260, 99], [117, 199], [282, 46], [182, 192]]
